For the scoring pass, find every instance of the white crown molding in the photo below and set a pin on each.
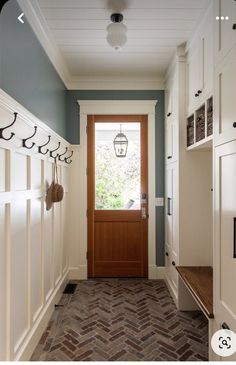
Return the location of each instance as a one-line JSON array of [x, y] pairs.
[[37, 21], [116, 83]]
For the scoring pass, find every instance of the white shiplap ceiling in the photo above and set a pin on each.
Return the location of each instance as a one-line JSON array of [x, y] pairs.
[[155, 28]]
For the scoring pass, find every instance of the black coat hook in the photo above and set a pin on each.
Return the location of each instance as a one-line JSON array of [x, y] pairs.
[[2, 129], [66, 159], [43, 145], [26, 139], [59, 156], [51, 155]]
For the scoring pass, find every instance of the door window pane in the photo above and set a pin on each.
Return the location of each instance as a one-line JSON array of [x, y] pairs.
[[117, 179]]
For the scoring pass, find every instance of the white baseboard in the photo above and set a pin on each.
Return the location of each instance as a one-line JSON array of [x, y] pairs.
[[40, 325], [155, 272], [173, 292], [78, 273]]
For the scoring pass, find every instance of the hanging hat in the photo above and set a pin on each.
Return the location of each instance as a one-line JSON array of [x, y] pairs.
[[49, 201]]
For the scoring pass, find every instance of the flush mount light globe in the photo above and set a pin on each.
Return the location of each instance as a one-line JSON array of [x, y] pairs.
[[116, 32], [120, 144]]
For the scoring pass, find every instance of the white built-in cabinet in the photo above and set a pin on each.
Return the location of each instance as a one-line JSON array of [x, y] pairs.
[[224, 30], [224, 271], [225, 235], [225, 98], [199, 64], [171, 126], [171, 237], [188, 228], [200, 213]]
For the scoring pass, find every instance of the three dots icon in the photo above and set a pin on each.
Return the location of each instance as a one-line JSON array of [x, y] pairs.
[[222, 17]]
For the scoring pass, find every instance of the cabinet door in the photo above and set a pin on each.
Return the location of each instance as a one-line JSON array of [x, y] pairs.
[[169, 206], [206, 69], [194, 81], [225, 234], [169, 102], [225, 35], [225, 99], [171, 222]]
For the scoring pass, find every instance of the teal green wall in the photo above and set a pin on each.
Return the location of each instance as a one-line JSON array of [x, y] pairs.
[[28, 76], [26, 72], [73, 137]]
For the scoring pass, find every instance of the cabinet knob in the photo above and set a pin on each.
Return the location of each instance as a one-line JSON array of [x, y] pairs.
[[173, 263], [225, 326], [234, 26], [199, 92], [169, 114], [196, 95], [169, 157], [234, 124], [167, 254]]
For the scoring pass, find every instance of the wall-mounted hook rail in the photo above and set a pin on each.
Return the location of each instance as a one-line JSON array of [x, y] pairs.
[[43, 145], [59, 156], [26, 139], [3, 129], [67, 158], [51, 152]]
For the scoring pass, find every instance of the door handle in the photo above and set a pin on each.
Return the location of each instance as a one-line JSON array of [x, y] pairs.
[[168, 206], [143, 213]]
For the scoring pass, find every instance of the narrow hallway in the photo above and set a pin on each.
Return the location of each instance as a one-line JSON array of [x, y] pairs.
[[123, 320]]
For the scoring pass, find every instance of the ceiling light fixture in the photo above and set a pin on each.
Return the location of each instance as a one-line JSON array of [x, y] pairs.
[[116, 32]]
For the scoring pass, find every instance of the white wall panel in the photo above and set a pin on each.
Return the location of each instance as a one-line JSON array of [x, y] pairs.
[[2, 174], [36, 173], [30, 237], [64, 234], [36, 258], [57, 242], [2, 283], [19, 172], [48, 244], [19, 273]]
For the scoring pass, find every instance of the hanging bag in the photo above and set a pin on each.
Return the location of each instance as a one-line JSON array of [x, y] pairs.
[[57, 189]]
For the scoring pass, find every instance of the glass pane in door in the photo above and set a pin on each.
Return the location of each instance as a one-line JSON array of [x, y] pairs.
[[117, 166]]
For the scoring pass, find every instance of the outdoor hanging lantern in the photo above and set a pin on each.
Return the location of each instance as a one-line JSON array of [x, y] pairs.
[[120, 144]]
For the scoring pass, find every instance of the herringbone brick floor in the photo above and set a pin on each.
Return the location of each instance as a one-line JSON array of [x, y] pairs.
[[124, 320]]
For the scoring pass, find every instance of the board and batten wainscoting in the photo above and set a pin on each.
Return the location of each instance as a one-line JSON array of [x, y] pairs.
[[33, 241]]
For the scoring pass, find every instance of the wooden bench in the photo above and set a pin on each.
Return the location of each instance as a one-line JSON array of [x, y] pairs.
[[199, 281]]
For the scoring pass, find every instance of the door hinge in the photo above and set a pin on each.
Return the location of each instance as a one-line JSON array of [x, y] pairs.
[[87, 255], [87, 213], [86, 171], [86, 129]]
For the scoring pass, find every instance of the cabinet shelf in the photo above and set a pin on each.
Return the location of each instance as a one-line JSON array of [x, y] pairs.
[[204, 145], [199, 128]]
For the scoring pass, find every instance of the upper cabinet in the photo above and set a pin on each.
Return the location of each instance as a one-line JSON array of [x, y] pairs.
[[225, 71], [224, 27], [171, 124], [225, 99], [199, 65]]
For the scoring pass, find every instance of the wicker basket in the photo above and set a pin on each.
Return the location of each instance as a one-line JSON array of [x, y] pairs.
[[200, 124], [190, 131], [209, 117]]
